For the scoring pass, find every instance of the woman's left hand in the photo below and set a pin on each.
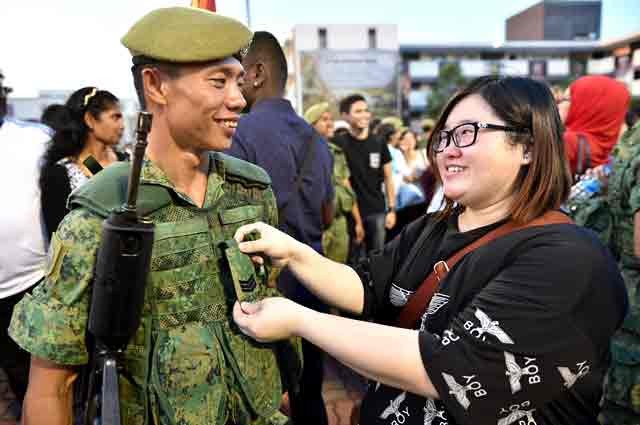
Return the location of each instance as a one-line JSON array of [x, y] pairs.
[[270, 319]]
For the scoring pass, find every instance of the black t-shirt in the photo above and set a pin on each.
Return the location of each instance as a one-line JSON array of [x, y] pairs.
[[366, 159], [517, 333]]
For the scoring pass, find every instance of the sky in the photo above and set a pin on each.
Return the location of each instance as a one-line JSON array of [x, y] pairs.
[[68, 44]]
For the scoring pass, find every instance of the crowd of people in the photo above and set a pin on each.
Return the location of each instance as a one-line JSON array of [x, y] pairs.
[[471, 270]]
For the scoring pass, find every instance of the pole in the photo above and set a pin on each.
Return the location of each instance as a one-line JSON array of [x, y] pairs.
[[248, 7]]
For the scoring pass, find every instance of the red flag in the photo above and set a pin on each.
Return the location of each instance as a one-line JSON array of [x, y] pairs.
[[204, 4]]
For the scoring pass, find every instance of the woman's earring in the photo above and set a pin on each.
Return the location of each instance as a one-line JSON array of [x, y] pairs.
[[255, 84]]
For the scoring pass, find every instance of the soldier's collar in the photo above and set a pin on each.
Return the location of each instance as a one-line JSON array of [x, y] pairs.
[[152, 174]]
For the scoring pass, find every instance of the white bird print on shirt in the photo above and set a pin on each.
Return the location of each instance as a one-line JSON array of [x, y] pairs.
[[569, 377], [515, 372], [517, 414], [430, 412], [491, 327], [458, 391], [394, 406]]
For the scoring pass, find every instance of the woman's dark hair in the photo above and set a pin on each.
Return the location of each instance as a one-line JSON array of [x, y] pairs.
[[543, 184], [385, 131], [71, 132], [54, 116]]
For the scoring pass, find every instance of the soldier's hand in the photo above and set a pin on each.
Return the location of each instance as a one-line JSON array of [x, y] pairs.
[[268, 320], [274, 244]]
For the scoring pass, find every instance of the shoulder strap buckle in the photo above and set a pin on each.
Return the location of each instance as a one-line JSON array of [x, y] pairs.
[[441, 269]]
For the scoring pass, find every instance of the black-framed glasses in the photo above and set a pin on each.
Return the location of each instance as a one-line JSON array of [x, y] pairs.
[[466, 134]]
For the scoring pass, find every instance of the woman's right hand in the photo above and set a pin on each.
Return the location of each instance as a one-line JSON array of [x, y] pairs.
[[274, 244]]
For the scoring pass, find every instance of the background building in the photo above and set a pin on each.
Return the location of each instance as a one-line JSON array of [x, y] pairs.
[[556, 41], [556, 20]]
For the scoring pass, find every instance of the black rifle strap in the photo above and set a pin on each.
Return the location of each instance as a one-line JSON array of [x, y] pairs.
[[302, 170], [92, 165]]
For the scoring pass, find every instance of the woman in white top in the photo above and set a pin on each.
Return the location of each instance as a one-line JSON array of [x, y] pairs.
[[91, 125], [414, 165]]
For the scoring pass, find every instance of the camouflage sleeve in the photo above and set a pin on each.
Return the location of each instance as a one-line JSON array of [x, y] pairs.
[[50, 323], [270, 208], [633, 182], [340, 168]]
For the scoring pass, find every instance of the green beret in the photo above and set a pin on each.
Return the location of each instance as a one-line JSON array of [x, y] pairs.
[[315, 111], [394, 121], [186, 34]]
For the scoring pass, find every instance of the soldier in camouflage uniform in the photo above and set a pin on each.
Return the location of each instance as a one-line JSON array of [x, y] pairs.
[[622, 389], [187, 363], [335, 239]]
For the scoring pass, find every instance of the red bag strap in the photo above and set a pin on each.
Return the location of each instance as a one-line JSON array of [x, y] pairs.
[[419, 301]]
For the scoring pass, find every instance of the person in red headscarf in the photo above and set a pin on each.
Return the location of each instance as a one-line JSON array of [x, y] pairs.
[[593, 111]]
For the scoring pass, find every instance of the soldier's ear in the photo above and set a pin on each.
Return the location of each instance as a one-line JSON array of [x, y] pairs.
[[154, 86]]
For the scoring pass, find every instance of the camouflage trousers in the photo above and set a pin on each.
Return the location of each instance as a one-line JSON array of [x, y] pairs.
[[622, 387], [335, 240]]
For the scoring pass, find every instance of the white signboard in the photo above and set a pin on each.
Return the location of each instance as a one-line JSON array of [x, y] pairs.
[[601, 66], [558, 67], [472, 68], [424, 69], [514, 68]]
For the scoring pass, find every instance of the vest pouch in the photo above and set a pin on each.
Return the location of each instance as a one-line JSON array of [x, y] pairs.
[[187, 376], [255, 370], [623, 384], [233, 218]]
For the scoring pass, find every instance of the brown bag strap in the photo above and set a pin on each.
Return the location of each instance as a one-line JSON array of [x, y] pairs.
[[419, 301]]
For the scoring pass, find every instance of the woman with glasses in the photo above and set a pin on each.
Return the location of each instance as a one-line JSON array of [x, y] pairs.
[[497, 310], [90, 126]]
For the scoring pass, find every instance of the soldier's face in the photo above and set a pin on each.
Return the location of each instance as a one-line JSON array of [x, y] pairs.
[[324, 125], [203, 104]]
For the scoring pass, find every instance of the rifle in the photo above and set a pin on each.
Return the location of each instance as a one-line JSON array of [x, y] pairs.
[[119, 282]]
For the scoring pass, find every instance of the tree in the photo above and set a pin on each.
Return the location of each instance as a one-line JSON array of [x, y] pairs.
[[450, 80]]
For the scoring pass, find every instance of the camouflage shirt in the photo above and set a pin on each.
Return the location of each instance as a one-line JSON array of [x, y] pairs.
[[624, 190], [345, 196], [188, 363]]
